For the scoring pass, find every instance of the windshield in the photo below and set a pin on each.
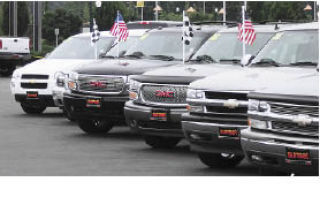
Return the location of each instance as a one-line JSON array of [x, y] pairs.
[[123, 46], [165, 44], [80, 48], [226, 46], [291, 48]]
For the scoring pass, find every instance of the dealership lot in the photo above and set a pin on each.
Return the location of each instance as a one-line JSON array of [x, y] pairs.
[[48, 144]]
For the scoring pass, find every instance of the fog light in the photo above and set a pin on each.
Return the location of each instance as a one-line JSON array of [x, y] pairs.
[[195, 108], [258, 124], [256, 157]]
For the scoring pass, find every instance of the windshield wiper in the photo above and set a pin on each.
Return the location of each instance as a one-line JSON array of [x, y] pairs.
[[163, 57], [205, 58], [305, 63], [268, 61], [107, 57], [235, 61], [136, 54]]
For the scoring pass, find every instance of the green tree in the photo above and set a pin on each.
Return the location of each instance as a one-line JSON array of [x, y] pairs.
[[68, 24], [105, 15], [23, 18]]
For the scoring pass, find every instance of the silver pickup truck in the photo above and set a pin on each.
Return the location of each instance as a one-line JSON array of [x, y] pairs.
[[214, 122], [284, 127]]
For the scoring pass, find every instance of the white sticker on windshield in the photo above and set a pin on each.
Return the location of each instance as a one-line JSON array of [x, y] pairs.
[[215, 36], [277, 36]]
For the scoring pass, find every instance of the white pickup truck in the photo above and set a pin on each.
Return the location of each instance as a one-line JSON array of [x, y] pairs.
[[32, 85], [13, 51]]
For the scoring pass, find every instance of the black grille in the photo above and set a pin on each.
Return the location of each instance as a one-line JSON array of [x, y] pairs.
[[221, 109], [294, 109], [100, 84], [310, 130], [226, 95], [177, 94], [159, 125], [34, 85], [35, 77]]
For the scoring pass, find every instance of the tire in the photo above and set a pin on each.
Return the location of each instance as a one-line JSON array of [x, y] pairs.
[[7, 70], [68, 115], [95, 127], [220, 160], [159, 142], [32, 109]]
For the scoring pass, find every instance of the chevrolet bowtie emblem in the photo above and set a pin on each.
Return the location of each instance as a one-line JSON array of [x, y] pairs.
[[302, 120], [231, 103]]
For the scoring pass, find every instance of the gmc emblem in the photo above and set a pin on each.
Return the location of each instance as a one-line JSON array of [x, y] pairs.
[[98, 84], [164, 94]]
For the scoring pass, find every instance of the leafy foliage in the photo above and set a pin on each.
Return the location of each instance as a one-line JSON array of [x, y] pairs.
[[23, 18], [68, 24]]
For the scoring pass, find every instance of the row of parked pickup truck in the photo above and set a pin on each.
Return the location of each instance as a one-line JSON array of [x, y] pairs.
[[263, 107]]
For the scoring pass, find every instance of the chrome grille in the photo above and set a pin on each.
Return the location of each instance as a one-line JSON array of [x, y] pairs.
[[294, 109], [101, 84], [220, 114], [293, 128], [178, 94]]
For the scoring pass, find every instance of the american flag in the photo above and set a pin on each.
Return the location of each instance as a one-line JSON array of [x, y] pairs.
[[249, 33], [119, 28]]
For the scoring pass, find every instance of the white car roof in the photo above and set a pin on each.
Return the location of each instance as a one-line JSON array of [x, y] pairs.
[[107, 34]]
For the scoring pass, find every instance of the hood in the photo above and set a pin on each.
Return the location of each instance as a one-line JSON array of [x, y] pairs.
[[306, 85], [184, 74], [51, 66], [251, 79], [122, 67]]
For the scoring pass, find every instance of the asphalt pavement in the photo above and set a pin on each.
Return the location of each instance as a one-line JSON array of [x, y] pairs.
[[50, 145]]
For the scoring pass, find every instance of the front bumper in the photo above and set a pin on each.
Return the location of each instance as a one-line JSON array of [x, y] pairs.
[[111, 106], [46, 100], [57, 95], [204, 136], [138, 118], [273, 155]]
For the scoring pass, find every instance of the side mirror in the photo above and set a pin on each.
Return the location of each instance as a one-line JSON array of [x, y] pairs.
[[246, 59]]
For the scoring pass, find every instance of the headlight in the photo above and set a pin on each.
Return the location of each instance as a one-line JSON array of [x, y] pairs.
[[72, 81], [60, 79], [258, 106], [134, 85], [16, 75], [195, 94], [258, 124]]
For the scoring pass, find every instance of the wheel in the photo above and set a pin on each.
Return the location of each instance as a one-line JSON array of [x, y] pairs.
[[220, 160], [7, 70], [68, 115], [161, 142], [32, 109], [95, 127]]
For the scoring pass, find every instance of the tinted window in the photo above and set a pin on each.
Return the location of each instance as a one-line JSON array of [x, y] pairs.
[[289, 47], [165, 43], [227, 46], [80, 48]]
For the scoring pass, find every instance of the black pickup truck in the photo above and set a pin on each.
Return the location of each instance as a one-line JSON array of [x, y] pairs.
[[98, 92], [159, 96]]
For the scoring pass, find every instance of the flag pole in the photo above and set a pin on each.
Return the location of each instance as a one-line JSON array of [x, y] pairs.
[[183, 37], [243, 33], [118, 36], [95, 43]]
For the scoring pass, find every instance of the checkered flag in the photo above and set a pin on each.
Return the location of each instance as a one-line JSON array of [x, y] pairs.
[[95, 35], [187, 30]]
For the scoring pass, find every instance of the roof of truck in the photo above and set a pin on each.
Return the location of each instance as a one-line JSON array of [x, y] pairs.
[[302, 26], [107, 34]]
